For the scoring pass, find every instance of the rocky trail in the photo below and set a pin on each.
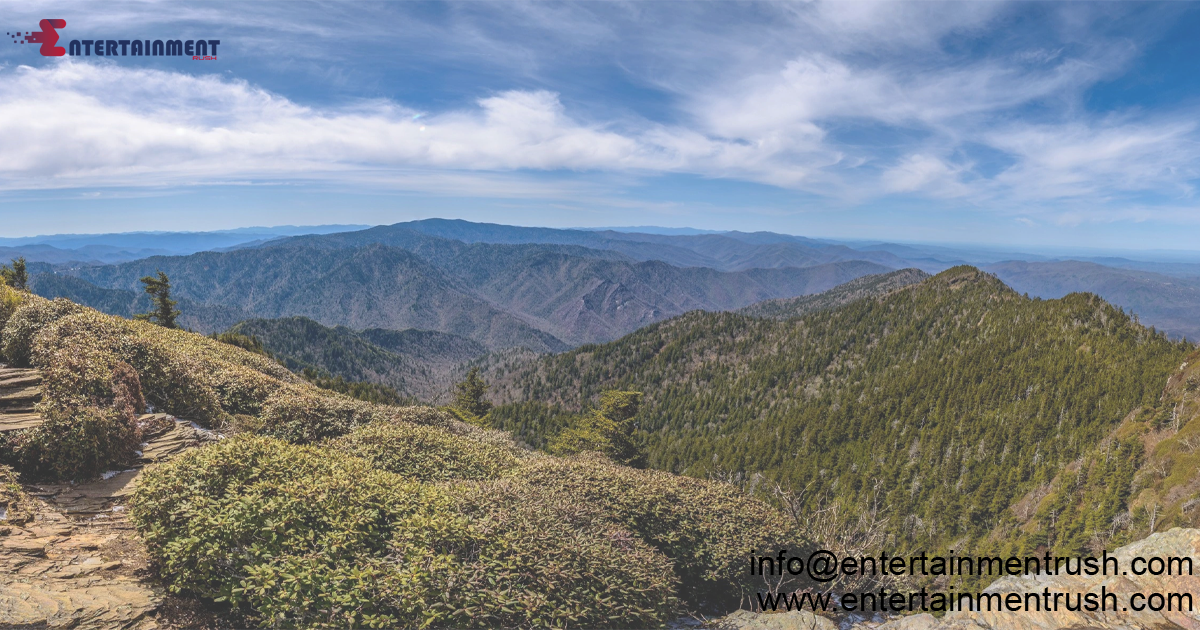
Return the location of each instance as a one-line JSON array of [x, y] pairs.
[[76, 562], [20, 390]]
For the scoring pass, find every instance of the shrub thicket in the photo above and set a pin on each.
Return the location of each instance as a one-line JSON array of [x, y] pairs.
[[308, 537], [426, 453], [564, 563], [34, 314], [181, 373], [91, 398], [706, 528], [100, 371], [10, 301]]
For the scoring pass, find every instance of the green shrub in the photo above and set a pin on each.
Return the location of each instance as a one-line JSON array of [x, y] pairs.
[[426, 453], [10, 301], [91, 402], [221, 520], [181, 373], [16, 506], [31, 317], [300, 536], [706, 528], [80, 446], [560, 562], [304, 415]]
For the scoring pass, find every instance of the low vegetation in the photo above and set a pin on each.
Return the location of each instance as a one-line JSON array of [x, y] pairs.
[[320, 510]]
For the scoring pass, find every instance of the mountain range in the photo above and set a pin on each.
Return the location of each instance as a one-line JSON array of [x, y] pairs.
[[549, 289], [120, 247], [546, 297]]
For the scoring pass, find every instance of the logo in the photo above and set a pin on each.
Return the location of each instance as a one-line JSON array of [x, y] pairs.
[[47, 37], [197, 49]]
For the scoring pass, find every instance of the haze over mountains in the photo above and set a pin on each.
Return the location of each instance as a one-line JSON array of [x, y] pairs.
[[543, 289], [119, 247]]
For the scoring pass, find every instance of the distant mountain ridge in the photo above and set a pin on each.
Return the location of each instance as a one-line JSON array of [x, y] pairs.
[[729, 251], [545, 297], [583, 286], [121, 247]]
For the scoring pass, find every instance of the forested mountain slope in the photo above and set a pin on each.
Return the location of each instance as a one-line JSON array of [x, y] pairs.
[[861, 288], [371, 286], [956, 396], [1166, 302], [417, 363], [1142, 478]]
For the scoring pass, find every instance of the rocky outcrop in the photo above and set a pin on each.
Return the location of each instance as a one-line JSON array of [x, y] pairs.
[[59, 572], [792, 620]]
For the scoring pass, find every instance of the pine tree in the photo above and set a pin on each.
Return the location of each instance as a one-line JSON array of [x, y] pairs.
[[164, 312], [608, 430], [16, 276], [470, 394]]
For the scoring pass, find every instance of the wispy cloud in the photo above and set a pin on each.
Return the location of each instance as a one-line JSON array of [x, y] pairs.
[[853, 102]]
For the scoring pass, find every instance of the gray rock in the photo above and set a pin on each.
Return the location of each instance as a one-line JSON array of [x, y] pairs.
[[792, 620]]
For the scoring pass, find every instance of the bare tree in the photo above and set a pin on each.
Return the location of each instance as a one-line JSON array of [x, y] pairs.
[[828, 523]]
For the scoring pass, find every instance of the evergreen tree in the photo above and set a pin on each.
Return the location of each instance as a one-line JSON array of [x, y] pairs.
[[608, 430], [164, 312], [16, 276], [470, 394]]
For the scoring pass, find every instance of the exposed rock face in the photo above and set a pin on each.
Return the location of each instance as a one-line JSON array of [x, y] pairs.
[[57, 572], [793, 620]]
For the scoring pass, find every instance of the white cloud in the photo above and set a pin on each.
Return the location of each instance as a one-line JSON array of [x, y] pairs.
[[1103, 158], [925, 173], [78, 124], [850, 101]]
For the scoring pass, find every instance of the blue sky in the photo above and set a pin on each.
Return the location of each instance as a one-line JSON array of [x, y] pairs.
[[1030, 124]]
